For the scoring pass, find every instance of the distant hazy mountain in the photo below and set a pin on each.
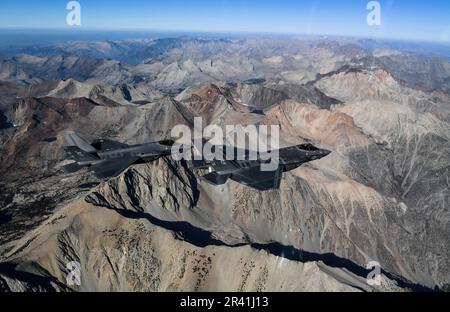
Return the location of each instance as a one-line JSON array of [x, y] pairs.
[[177, 63]]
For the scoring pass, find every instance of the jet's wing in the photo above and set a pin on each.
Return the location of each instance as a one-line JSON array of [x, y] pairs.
[[257, 179], [108, 145], [112, 168]]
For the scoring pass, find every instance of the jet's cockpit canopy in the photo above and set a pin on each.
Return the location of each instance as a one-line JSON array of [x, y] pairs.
[[167, 142], [308, 147]]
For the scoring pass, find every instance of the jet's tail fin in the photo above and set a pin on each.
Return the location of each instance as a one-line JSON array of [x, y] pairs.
[[216, 179], [71, 168], [74, 139]]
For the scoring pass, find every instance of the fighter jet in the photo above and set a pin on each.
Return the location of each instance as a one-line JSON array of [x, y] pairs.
[[107, 158], [250, 173]]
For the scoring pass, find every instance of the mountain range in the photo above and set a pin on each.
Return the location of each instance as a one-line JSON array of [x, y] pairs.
[[382, 195]]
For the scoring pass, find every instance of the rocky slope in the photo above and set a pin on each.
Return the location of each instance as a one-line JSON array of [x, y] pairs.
[[124, 246]]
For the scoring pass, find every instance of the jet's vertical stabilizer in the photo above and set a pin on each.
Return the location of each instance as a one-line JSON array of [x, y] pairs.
[[74, 139]]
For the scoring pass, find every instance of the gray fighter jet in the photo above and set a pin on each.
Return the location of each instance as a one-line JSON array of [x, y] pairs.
[[250, 173], [107, 158]]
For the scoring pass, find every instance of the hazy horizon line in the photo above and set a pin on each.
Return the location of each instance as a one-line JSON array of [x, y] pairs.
[[217, 32]]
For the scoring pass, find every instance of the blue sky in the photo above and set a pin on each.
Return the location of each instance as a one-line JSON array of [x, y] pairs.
[[401, 19]]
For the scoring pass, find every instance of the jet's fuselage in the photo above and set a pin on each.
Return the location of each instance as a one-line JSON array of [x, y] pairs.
[[288, 158], [145, 151]]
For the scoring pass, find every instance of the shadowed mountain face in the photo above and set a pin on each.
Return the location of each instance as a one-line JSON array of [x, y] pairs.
[[382, 195]]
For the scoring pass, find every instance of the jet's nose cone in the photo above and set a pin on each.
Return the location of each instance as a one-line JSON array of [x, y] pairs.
[[325, 152]]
